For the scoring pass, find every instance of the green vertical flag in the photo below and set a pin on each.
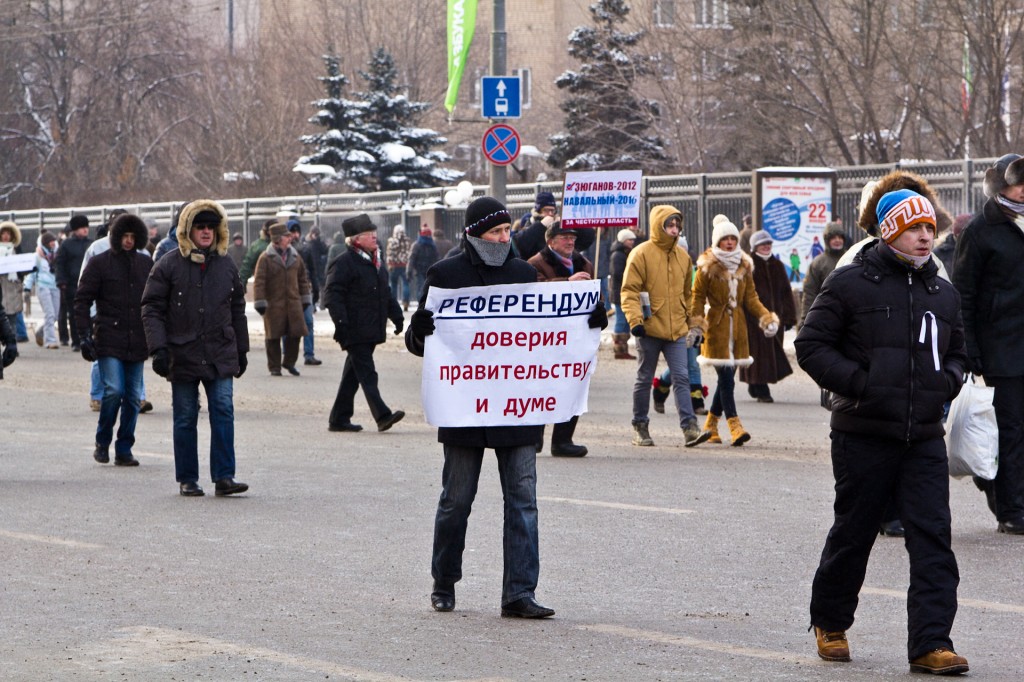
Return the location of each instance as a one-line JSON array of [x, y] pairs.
[[461, 23]]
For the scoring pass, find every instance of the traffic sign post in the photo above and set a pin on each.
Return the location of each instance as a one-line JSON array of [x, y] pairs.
[[501, 96], [501, 144]]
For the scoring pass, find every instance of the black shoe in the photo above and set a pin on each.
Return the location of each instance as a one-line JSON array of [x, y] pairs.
[[390, 420], [145, 406], [527, 607], [443, 597], [1013, 527], [101, 454], [893, 529], [63, 342], [347, 426], [313, 361], [229, 486], [568, 450], [76, 348], [291, 370], [989, 488], [275, 372], [126, 460], [765, 399], [190, 489]]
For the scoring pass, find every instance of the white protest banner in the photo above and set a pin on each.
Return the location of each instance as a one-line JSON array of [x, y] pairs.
[[601, 199], [20, 262], [510, 355]]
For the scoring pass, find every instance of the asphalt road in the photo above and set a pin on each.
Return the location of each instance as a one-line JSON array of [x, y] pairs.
[[663, 563]]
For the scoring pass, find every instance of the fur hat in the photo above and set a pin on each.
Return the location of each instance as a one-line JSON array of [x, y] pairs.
[[1007, 171], [556, 229], [8, 226], [398, 230], [485, 213], [544, 199], [760, 237], [357, 225], [868, 219], [202, 212], [722, 228], [833, 229], [77, 221], [625, 235], [897, 211], [276, 230], [127, 223]]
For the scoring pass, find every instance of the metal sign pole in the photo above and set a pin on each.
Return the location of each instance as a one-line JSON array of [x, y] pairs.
[[499, 55]]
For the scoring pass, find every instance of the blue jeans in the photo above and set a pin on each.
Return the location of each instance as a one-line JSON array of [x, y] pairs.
[[621, 325], [307, 340], [396, 277], [419, 281], [648, 349], [122, 386], [691, 356], [724, 399], [185, 401], [96, 385], [517, 469], [20, 330]]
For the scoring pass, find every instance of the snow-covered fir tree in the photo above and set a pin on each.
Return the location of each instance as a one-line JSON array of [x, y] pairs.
[[607, 122], [342, 144], [403, 152]]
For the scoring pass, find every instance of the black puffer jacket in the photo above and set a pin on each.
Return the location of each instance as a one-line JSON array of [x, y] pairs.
[[68, 261], [196, 310], [861, 340], [359, 300], [617, 267], [466, 269], [986, 272], [114, 281]]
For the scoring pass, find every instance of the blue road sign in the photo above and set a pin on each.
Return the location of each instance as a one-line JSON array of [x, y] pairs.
[[501, 96], [501, 144]]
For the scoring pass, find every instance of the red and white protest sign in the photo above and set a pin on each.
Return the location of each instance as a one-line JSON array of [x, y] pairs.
[[607, 199]]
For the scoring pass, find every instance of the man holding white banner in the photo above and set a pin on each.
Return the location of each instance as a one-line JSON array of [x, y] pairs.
[[494, 344]]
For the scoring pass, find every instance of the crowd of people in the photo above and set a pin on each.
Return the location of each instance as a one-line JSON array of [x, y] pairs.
[[885, 327]]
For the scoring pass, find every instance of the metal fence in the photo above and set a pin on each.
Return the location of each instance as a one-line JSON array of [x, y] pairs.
[[698, 197]]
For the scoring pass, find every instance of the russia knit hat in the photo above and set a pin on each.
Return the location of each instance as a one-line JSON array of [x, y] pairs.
[[357, 225], [485, 213], [625, 235], [760, 237], [723, 228], [897, 211], [1008, 170], [543, 200]]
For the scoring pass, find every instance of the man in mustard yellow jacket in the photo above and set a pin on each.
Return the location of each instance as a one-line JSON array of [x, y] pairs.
[[656, 292]]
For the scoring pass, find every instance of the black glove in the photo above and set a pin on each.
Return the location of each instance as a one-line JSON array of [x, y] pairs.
[[243, 362], [638, 331], [9, 354], [598, 317], [422, 322], [974, 366], [399, 326], [161, 362], [88, 348], [261, 307]]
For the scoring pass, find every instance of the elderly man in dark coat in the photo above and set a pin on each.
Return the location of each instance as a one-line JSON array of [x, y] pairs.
[[360, 302], [194, 314], [114, 280], [281, 291]]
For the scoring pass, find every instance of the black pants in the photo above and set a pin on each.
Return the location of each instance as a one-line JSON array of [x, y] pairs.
[[868, 471], [359, 372], [1008, 400], [561, 434], [66, 315], [291, 352]]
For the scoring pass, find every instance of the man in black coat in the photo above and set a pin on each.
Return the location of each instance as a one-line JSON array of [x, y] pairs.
[[989, 254], [193, 311], [9, 341], [884, 335], [114, 280], [310, 256], [68, 267], [360, 301]]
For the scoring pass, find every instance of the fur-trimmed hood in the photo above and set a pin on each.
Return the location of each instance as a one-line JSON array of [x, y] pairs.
[[184, 227], [122, 225], [8, 226], [895, 180]]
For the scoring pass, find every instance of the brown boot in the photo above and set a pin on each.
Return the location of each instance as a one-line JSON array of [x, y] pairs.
[[942, 661], [711, 424], [737, 432], [832, 646], [620, 344]]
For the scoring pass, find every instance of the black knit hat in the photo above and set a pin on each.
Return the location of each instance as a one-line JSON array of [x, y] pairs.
[[357, 225], [77, 221], [544, 199], [485, 214]]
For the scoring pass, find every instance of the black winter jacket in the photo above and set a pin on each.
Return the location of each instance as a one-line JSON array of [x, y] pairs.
[[115, 281], [617, 268], [987, 273], [359, 299], [466, 269], [197, 312], [861, 340], [68, 261]]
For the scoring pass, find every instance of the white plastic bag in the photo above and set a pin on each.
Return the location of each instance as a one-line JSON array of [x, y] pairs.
[[972, 436]]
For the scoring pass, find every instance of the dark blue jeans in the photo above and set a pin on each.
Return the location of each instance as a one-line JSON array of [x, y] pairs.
[[122, 391], [185, 401], [517, 469], [724, 399], [307, 340]]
